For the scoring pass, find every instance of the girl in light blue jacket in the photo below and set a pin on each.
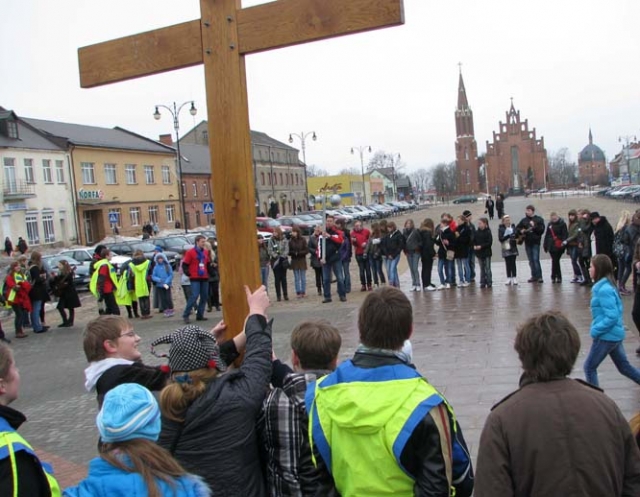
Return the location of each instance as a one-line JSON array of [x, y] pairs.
[[162, 276], [607, 327]]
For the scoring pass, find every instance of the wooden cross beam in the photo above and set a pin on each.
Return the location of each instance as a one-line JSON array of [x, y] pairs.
[[220, 39]]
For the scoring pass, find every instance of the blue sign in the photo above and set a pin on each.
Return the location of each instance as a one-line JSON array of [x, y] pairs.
[[207, 207], [113, 217]]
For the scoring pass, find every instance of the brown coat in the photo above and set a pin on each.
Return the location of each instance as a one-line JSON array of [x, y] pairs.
[[560, 438], [298, 251]]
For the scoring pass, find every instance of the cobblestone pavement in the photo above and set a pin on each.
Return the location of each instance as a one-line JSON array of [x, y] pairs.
[[462, 342]]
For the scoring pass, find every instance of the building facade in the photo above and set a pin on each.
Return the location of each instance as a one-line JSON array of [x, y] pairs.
[[116, 174], [516, 159], [467, 166], [348, 186], [279, 175], [37, 189], [592, 164]]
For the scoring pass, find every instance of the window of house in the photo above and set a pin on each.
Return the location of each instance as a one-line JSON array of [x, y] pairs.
[[275, 179], [46, 169], [269, 179], [262, 179], [184, 190], [149, 175], [12, 129], [88, 174], [166, 175], [33, 236], [153, 213], [281, 182], [110, 177], [10, 183], [60, 171], [130, 174], [28, 171], [205, 189], [47, 226], [170, 212], [195, 189], [134, 216]]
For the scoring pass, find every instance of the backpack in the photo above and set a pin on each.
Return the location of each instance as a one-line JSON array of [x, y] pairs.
[[345, 250], [619, 247]]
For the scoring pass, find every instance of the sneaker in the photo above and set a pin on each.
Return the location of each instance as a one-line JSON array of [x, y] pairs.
[[186, 320], [464, 284], [201, 318], [343, 299], [532, 280], [509, 281], [429, 288], [440, 287], [540, 280], [482, 285], [514, 281], [326, 301], [363, 288], [447, 285], [575, 279]]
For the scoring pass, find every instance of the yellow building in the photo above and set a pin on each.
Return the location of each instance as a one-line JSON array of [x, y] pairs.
[[120, 179], [349, 186]]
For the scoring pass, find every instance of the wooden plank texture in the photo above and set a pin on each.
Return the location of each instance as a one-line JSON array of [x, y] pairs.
[[231, 166], [291, 22], [153, 52]]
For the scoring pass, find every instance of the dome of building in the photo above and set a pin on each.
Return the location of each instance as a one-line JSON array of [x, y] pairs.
[[591, 152]]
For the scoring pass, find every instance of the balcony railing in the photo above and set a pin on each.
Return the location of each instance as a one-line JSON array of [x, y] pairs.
[[18, 189]]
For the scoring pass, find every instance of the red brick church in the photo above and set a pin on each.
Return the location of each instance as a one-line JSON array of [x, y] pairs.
[[515, 161]]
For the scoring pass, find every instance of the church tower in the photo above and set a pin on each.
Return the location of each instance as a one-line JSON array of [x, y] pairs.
[[466, 147]]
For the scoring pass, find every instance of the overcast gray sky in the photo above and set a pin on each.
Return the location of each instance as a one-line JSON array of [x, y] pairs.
[[568, 65]]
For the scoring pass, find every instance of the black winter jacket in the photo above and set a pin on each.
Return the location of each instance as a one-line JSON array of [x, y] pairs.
[[532, 234], [463, 239], [604, 237], [560, 231], [393, 244], [427, 248], [442, 236], [218, 439], [484, 239]]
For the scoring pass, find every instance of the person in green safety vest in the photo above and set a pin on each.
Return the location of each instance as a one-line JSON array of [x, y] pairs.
[[142, 281], [22, 474], [104, 282], [376, 426]]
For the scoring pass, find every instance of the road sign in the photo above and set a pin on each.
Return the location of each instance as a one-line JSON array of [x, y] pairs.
[[207, 207], [113, 217]]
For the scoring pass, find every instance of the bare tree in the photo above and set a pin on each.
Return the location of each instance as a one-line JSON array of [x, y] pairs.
[[351, 171], [443, 178], [562, 171], [421, 178], [382, 159], [313, 170]]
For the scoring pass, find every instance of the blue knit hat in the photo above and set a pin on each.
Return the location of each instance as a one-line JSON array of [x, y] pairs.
[[157, 248], [129, 411]]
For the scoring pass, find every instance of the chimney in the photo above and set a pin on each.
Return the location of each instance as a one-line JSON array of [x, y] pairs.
[[166, 139]]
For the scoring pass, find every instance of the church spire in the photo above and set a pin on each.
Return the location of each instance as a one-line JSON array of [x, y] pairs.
[[590, 137], [463, 104]]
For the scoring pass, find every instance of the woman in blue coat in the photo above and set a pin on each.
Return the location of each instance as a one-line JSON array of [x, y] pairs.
[[607, 328]]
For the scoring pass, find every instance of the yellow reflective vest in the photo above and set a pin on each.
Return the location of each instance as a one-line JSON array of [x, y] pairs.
[[93, 283]]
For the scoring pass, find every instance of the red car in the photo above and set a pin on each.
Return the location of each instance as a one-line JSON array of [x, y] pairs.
[[269, 224]]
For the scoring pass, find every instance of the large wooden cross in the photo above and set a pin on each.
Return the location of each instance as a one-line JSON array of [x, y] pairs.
[[220, 39]]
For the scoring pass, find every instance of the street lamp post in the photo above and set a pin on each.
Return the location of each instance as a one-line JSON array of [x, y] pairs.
[[361, 150], [302, 136], [394, 159], [175, 113]]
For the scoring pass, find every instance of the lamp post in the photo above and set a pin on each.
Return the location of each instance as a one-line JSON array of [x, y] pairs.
[[302, 136], [394, 158], [361, 150], [175, 113]]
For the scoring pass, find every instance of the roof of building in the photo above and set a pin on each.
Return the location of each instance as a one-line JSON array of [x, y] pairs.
[[94, 136], [591, 152], [195, 158], [28, 137], [385, 171], [403, 182], [463, 104]]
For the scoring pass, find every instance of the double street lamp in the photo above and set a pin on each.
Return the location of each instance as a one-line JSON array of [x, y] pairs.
[[361, 150], [175, 113], [302, 136]]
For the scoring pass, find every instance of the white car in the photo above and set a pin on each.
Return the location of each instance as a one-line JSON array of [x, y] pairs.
[[84, 255]]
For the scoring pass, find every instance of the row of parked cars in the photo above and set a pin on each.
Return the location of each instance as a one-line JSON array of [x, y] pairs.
[[629, 193]]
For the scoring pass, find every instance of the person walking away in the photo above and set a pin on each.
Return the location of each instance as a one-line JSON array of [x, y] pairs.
[[374, 255], [554, 243], [412, 244], [298, 251], [509, 248], [126, 292], [571, 244], [483, 242], [279, 255], [162, 276], [17, 290], [130, 461], [530, 230], [607, 326], [489, 206], [313, 245], [585, 246], [8, 246], [461, 251], [360, 239], [214, 276], [391, 249], [65, 290], [263, 253], [195, 264], [500, 205], [140, 268], [22, 473], [38, 277], [345, 253], [427, 253], [22, 245], [333, 239], [555, 436], [623, 251], [104, 283]]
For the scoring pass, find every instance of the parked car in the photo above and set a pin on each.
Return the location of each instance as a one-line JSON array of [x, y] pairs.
[[269, 224], [128, 248], [84, 256], [466, 199], [81, 276], [356, 213], [174, 243], [209, 233], [381, 209], [370, 212], [290, 221]]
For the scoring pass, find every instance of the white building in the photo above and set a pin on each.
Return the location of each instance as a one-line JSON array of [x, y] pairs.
[[37, 201]]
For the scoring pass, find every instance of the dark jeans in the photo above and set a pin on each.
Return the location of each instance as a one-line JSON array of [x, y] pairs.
[[624, 270], [573, 253], [427, 267], [318, 271], [472, 264], [510, 262], [337, 269], [585, 262], [199, 293], [165, 298], [376, 271], [110, 304], [600, 349], [63, 315], [533, 254], [280, 279], [556, 272], [365, 270], [486, 277], [347, 276], [18, 319], [145, 305], [132, 310], [214, 294]]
